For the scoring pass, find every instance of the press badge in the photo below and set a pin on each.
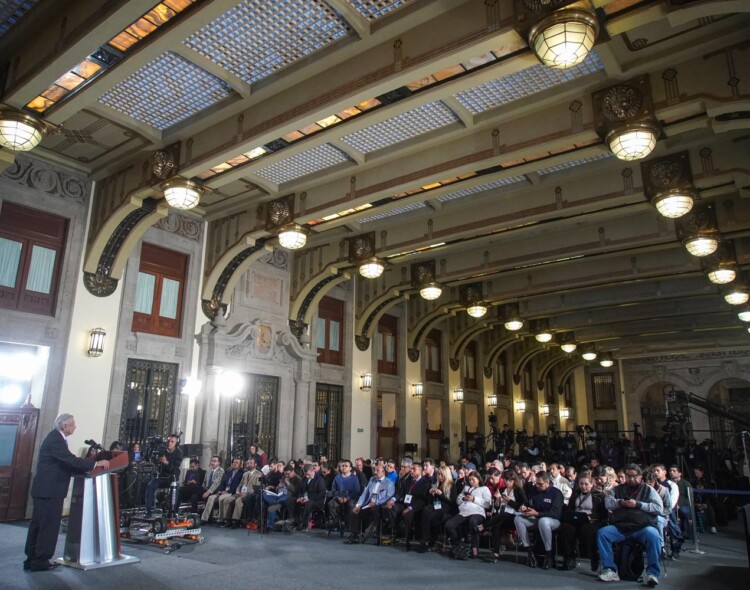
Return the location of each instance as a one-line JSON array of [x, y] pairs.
[[407, 499], [436, 505], [244, 489]]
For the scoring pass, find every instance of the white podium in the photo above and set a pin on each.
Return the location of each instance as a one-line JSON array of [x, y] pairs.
[[93, 539]]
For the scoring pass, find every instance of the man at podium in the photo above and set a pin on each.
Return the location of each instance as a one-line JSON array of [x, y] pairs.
[[54, 468]]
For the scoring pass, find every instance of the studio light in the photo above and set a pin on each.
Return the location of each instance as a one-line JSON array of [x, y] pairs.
[[229, 383], [293, 236]]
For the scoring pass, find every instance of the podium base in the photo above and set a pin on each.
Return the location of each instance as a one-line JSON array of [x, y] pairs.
[[122, 560]]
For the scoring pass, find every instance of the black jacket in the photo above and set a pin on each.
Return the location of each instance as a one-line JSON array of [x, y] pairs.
[[55, 466], [418, 490], [315, 489], [598, 510], [172, 468], [548, 503]]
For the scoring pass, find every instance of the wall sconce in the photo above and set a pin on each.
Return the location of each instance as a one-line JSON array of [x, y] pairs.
[[545, 409], [564, 413], [521, 405], [668, 184], [96, 342], [365, 381], [492, 400], [699, 230], [458, 396], [417, 389], [624, 118]]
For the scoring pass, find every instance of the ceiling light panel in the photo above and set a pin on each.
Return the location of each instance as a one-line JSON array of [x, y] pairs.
[[574, 163], [524, 83], [11, 12], [481, 188], [257, 38], [374, 9], [392, 212], [314, 160], [428, 117], [166, 91]]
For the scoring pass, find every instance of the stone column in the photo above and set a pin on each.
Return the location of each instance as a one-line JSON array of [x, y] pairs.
[[209, 433], [299, 435]]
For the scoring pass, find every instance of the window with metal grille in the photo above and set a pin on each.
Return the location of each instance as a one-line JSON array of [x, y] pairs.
[[330, 330], [470, 365], [606, 429], [603, 389], [526, 382], [550, 395], [432, 353], [501, 370], [148, 402], [253, 416], [32, 244], [387, 345], [328, 420], [158, 295], [567, 394]]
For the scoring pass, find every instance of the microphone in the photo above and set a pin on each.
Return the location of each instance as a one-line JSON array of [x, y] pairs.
[[92, 443]]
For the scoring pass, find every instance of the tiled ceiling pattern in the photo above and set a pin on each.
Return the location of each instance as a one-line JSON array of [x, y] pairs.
[[574, 163], [524, 83], [256, 38], [11, 12], [393, 212], [410, 124], [481, 188], [374, 9], [166, 91], [302, 164]]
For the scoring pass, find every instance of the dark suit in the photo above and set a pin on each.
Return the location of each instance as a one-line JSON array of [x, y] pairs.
[[53, 470], [315, 489]]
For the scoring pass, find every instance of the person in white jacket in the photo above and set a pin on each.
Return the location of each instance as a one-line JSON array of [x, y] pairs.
[[473, 503]]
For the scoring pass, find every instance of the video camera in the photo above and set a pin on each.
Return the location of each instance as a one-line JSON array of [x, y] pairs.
[[156, 447]]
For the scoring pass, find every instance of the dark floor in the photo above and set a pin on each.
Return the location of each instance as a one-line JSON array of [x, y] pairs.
[[234, 559]]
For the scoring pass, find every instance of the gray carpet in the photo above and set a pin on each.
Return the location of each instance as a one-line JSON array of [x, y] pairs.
[[233, 559]]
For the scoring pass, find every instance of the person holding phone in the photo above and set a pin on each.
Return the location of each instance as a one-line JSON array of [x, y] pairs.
[[543, 512], [473, 502]]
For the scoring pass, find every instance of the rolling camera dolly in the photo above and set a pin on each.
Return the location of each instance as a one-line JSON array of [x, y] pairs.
[[158, 529]]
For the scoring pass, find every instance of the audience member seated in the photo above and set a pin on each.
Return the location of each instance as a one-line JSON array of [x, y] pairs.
[[650, 479], [371, 502], [543, 513], [192, 487], [635, 508], [676, 537], [560, 482], [228, 486], [409, 500], [683, 502], [506, 504], [249, 484], [313, 496], [473, 502], [345, 490], [441, 506], [581, 522], [211, 482]]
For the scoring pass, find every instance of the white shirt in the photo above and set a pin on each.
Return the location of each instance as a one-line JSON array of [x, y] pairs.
[[563, 485]]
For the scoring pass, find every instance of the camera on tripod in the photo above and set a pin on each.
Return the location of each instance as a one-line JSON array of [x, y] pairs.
[[156, 447], [521, 437]]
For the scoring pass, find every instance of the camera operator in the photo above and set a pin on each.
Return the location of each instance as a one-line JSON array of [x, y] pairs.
[[169, 460]]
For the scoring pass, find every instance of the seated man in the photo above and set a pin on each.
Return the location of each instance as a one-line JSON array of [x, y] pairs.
[[313, 496], [543, 510], [369, 506], [676, 538], [410, 499], [228, 486], [560, 482], [634, 509], [683, 501], [249, 483], [705, 504], [345, 489], [169, 470], [192, 487], [211, 481]]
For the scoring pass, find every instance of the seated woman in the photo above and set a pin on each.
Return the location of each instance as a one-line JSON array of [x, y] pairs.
[[473, 502], [585, 516], [505, 505], [442, 506]]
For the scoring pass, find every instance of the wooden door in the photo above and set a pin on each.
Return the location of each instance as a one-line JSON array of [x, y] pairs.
[[17, 435], [388, 442], [435, 444]]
